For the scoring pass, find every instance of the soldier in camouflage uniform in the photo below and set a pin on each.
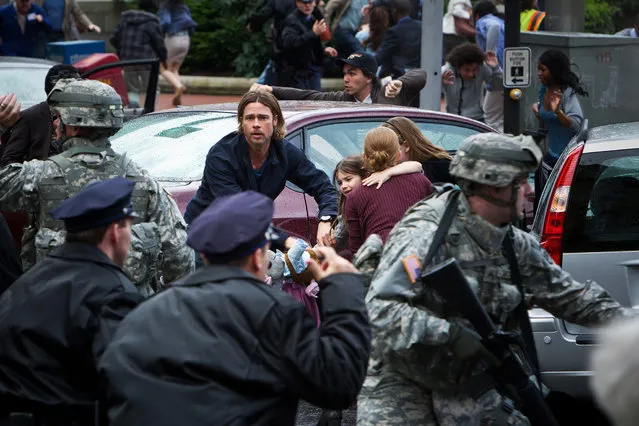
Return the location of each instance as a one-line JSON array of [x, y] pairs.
[[90, 112], [428, 364]]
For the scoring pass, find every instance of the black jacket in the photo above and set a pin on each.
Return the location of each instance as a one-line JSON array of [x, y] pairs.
[[276, 9], [139, 35], [228, 170], [222, 348], [301, 47], [30, 137], [10, 266], [437, 170], [401, 48], [55, 322], [413, 81]]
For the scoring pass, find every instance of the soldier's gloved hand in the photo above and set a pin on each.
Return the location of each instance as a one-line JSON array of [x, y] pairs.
[[464, 342]]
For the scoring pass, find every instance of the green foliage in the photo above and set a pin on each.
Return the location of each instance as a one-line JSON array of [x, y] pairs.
[[599, 17], [221, 43]]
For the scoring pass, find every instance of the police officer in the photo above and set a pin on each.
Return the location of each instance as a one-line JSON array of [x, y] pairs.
[[429, 368], [57, 319], [224, 348], [90, 112]]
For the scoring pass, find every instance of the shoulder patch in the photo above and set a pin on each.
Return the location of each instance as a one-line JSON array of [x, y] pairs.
[[413, 267]]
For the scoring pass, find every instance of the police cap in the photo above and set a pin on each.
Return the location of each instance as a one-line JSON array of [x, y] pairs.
[[98, 204], [232, 227]]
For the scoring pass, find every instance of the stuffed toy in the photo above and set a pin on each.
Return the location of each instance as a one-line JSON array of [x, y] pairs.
[[276, 269], [295, 266]]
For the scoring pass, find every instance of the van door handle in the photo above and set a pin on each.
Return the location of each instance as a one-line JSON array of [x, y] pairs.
[[630, 263], [587, 339]]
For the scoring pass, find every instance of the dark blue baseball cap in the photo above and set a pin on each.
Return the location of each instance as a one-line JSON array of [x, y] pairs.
[[98, 204], [361, 60], [233, 227]]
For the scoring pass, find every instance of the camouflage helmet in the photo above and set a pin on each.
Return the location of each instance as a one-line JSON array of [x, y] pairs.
[[86, 103], [495, 160]]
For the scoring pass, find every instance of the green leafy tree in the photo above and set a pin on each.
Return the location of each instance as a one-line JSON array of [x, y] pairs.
[[221, 43]]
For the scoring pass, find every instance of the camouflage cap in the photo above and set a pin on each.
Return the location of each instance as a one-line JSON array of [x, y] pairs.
[[495, 160], [86, 103]]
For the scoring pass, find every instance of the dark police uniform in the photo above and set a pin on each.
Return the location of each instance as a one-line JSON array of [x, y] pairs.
[[57, 319], [224, 348]]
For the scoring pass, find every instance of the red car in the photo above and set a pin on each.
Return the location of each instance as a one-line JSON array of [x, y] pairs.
[[172, 145]]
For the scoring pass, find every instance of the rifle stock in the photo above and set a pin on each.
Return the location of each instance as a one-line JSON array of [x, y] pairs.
[[449, 281]]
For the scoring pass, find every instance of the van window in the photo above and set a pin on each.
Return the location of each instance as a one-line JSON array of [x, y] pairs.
[[603, 212]]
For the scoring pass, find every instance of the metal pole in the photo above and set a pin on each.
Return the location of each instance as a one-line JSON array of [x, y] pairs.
[[565, 15], [511, 107], [432, 43]]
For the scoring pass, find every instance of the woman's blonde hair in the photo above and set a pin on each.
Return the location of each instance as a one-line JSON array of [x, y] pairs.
[[268, 100], [381, 146], [421, 149]]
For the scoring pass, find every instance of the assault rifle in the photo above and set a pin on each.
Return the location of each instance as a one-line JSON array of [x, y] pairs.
[[510, 374]]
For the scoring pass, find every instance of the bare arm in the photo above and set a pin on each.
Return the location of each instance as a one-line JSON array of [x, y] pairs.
[[405, 168]]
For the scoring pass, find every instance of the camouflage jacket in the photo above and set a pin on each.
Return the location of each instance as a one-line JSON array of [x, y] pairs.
[[36, 187], [411, 327]]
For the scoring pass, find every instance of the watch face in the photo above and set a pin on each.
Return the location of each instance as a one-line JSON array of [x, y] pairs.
[[325, 218]]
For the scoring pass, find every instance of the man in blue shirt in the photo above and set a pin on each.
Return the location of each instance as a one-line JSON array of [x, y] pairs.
[[258, 158], [20, 23], [490, 36]]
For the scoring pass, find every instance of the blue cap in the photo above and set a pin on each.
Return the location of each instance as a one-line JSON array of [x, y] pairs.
[[232, 227], [98, 204]]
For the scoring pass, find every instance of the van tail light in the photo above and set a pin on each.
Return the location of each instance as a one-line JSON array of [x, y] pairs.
[[553, 230]]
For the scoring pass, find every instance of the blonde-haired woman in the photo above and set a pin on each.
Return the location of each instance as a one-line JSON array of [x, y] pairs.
[[375, 211], [414, 146]]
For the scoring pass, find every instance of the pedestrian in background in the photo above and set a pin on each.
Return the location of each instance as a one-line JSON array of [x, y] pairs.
[[33, 136], [139, 35], [401, 49], [20, 24], [344, 18], [491, 37], [57, 319], [278, 10], [463, 77], [558, 109], [531, 18], [457, 25], [248, 352], [178, 26], [301, 62], [67, 20]]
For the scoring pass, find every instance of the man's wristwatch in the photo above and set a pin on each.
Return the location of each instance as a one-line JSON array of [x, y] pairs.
[[326, 218]]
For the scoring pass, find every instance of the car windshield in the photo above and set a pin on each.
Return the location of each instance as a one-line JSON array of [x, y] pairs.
[[26, 83], [173, 146]]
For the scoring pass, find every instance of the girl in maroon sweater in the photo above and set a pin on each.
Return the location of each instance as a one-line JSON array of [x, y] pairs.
[[348, 175], [370, 210]]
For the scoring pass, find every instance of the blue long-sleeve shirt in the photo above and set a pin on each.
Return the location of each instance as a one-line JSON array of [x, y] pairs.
[[14, 41], [559, 135], [228, 170], [174, 21]]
